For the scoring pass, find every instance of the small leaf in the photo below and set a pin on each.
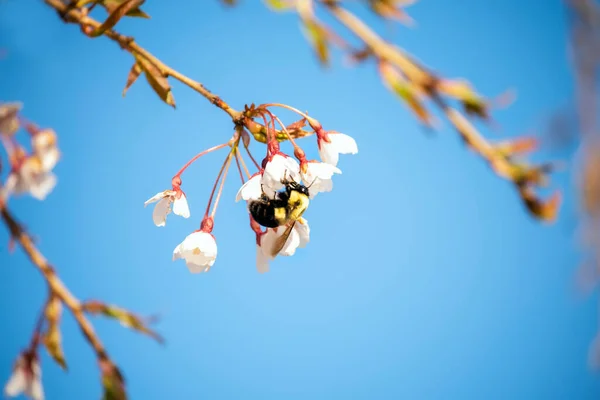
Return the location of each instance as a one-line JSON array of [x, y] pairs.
[[476, 106], [406, 91], [82, 3], [317, 36], [52, 338], [294, 126], [9, 123], [546, 211], [112, 5], [126, 318], [115, 15], [358, 56], [157, 80], [392, 9], [279, 5], [112, 382], [134, 73], [517, 146]]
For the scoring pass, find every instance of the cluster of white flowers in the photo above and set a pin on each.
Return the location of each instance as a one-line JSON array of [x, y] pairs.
[[199, 249], [26, 378], [32, 173]]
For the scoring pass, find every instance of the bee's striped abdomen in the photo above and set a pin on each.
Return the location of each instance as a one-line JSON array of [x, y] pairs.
[[268, 213]]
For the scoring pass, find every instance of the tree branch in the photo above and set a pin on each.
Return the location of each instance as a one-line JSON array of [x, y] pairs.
[[88, 24], [56, 286]]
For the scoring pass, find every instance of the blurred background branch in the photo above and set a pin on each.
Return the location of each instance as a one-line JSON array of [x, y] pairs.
[[32, 173], [584, 17], [415, 85]]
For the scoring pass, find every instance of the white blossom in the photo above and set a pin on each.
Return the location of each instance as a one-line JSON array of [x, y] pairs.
[[30, 177], [280, 167], [251, 190], [332, 144], [44, 147], [166, 201], [199, 250], [26, 378], [317, 176], [299, 238]]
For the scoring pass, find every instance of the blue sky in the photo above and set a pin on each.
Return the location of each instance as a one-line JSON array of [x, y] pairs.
[[424, 278]]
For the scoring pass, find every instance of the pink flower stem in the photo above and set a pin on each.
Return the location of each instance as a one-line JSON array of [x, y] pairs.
[[239, 167], [234, 147], [37, 332], [197, 156], [227, 163], [251, 157], [309, 119]]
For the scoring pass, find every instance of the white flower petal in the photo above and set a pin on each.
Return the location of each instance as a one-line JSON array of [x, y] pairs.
[[49, 159], [177, 252], [35, 390], [43, 140], [161, 210], [291, 244], [197, 268], [303, 232], [199, 250], [328, 154], [16, 383], [262, 261], [318, 177], [321, 170], [11, 184], [320, 186], [279, 168], [158, 196], [250, 190], [267, 241], [42, 185], [180, 206], [339, 144], [343, 144]]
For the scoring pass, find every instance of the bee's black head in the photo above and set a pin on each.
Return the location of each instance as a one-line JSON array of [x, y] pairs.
[[298, 187]]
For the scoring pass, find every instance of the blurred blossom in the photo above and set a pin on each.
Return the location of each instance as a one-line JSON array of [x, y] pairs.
[[26, 378]]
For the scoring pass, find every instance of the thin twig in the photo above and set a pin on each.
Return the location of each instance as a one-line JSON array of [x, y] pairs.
[[56, 286], [74, 15]]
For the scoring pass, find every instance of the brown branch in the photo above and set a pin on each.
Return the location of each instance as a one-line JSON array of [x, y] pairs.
[[128, 43], [56, 286], [76, 16], [422, 78], [423, 82]]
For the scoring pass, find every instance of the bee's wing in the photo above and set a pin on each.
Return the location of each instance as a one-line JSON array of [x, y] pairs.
[[280, 241]]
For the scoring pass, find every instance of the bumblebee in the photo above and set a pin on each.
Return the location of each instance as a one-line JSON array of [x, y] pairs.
[[285, 209]]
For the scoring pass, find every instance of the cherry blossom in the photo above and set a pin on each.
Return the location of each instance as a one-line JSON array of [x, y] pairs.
[[317, 176], [30, 177], [26, 378], [299, 238], [251, 190], [166, 201], [199, 250], [44, 147], [281, 167], [332, 144]]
